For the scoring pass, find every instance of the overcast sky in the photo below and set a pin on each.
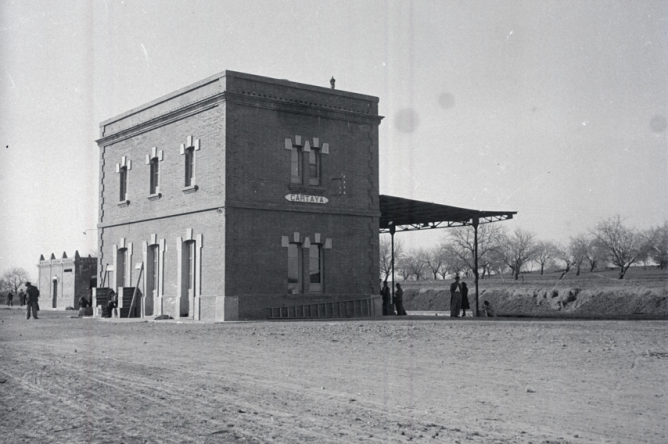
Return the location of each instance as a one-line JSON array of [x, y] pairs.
[[554, 109]]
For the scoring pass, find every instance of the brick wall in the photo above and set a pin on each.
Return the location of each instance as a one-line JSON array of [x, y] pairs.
[[243, 175]]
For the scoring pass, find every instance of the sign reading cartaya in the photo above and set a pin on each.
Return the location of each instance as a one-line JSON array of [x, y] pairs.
[[306, 198]]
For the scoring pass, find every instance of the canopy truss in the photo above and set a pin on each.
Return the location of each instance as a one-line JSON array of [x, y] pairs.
[[410, 215]]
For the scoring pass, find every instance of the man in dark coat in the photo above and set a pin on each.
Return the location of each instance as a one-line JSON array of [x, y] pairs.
[[387, 300], [399, 301], [33, 295], [10, 299], [455, 298]]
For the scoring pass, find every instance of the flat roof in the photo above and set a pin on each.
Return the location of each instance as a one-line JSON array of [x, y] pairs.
[[410, 215], [240, 75]]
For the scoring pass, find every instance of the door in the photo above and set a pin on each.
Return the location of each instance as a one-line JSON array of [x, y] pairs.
[[54, 294], [190, 248], [151, 280]]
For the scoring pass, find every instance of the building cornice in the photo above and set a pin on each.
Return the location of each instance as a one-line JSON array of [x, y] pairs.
[[175, 114], [243, 99], [274, 103]]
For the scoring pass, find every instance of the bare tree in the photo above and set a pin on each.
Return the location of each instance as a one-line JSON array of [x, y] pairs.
[[517, 250], [415, 263], [401, 266], [386, 256], [435, 261], [14, 278], [546, 252], [461, 243], [659, 250], [578, 249], [623, 245], [453, 263], [565, 256], [595, 255]]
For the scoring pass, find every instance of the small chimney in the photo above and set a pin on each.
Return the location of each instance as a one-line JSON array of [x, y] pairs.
[[332, 82]]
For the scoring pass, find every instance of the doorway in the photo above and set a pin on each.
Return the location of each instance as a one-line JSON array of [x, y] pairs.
[[151, 280], [54, 293], [188, 281]]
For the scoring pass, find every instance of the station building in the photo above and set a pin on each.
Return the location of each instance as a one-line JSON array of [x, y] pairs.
[[63, 281], [242, 196]]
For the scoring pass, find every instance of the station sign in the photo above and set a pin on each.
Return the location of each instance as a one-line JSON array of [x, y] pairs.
[[305, 198]]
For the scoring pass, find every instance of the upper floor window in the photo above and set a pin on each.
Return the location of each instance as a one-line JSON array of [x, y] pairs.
[[123, 184], [314, 167], [296, 165], [122, 169], [188, 151], [153, 161], [190, 166], [155, 175], [306, 160]]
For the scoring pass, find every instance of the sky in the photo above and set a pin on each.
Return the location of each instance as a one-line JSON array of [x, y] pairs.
[[554, 109]]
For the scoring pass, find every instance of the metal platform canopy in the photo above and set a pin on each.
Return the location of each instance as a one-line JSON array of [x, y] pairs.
[[399, 214]]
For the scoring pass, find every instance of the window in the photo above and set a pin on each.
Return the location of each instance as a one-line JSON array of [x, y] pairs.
[[123, 183], [190, 166], [294, 269], [155, 175], [306, 263], [122, 169], [188, 150], [296, 165], [306, 160], [314, 167], [315, 268], [153, 161]]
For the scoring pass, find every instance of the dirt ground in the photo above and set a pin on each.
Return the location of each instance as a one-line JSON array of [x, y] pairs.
[[398, 380]]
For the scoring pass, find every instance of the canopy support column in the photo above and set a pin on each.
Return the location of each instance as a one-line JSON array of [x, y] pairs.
[[476, 222], [392, 231]]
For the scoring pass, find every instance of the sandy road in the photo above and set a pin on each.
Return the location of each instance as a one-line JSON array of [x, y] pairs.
[[474, 381]]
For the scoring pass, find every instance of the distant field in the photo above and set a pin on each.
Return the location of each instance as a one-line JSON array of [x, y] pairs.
[[637, 276]]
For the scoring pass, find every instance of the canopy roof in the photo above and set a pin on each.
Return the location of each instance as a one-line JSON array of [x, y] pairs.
[[408, 215]]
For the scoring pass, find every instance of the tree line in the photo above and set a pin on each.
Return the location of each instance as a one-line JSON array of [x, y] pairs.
[[610, 243], [12, 280]]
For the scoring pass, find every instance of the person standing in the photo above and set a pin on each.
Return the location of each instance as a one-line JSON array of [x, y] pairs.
[[112, 304], [10, 299], [387, 300], [466, 305], [399, 301], [22, 298], [455, 297], [33, 295]]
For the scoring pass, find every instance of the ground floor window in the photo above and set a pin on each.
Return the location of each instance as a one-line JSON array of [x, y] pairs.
[[306, 263], [294, 268], [315, 268]]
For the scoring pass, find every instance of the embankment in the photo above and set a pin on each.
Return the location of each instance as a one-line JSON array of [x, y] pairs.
[[561, 302]]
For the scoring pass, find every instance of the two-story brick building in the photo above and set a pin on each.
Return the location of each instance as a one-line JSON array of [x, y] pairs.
[[241, 193]]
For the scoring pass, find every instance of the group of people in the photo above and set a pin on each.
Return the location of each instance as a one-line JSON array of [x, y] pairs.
[[393, 306], [22, 298], [459, 301], [459, 298], [29, 297]]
